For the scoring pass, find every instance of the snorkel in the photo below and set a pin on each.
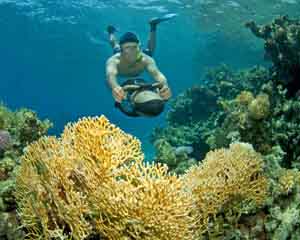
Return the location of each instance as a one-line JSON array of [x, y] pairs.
[[139, 56]]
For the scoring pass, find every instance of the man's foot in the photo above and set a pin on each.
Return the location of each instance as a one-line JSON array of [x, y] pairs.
[[111, 29], [154, 21]]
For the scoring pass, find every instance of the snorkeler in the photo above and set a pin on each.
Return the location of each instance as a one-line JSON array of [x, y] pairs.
[[130, 61]]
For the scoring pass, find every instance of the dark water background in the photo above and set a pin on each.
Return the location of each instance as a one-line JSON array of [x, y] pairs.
[[52, 56]]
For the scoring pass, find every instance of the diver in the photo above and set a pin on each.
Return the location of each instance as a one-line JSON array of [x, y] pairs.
[[128, 60]]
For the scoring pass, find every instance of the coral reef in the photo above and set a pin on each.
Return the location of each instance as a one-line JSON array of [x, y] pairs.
[[180, 135], [282, 46], [245, 118], [23, 126], [17, 129], [283, 219], [190, 105], [257, 106], [268, 120], [194, 120], [274, 131], [221, 181], [92, 183], [5, 140], [177, 161]]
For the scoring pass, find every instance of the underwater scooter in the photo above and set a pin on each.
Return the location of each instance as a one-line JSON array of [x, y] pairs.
[[142, 98]]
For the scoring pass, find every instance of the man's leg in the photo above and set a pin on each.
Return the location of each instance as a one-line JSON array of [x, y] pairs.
[[113, 41], [112, 38], [152, 35], [151, 44]]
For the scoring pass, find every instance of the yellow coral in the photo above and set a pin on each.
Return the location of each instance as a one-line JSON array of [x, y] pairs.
[[244, 98], [93, 180], [259, 108], [288, 179], [225, 174]]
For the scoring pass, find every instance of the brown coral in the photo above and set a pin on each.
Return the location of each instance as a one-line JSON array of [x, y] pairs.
[[92, 181]]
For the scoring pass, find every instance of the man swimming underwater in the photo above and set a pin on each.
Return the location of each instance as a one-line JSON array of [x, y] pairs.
[[130, 61]]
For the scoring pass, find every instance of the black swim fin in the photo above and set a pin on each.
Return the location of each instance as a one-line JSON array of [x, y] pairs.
[[111, 29], [154, 21]]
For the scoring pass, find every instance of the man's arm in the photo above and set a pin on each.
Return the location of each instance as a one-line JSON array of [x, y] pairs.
[[111, 77], [111, 73], [165, 91], [154, 72]]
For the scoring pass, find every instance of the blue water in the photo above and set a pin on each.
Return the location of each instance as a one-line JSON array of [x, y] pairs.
[[53, 55]]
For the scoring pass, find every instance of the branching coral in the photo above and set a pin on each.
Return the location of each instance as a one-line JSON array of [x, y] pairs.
[[288, 180], [226, 175], [92, 181]]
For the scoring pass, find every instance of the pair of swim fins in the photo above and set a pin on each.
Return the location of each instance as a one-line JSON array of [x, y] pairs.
[[153, 21], [158, 20]]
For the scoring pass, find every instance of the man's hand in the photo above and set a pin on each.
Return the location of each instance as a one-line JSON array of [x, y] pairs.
[[118, 93], [165, 92]]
